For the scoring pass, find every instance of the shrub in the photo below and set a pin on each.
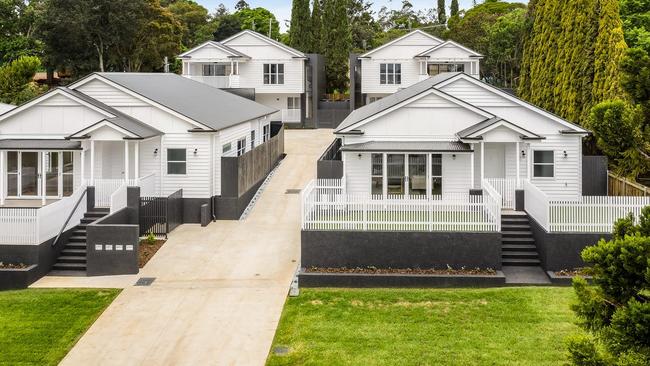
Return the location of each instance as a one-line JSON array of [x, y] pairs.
[[151, 239], [624, 226]]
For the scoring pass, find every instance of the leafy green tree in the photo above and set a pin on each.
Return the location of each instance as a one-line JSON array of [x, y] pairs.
[[193, 18], [610, 48], [363, 26], [229, 25], [257, 19], [16, 80], [336, 43], [505, 48], [316, 27], [300, 32], [635, 78], [614, 311], [635, 15], [241, 5], [405, 18], [454, 8], [17, 29], [442, 13]]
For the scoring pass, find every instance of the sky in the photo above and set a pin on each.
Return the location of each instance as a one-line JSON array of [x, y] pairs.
[[282, 8]]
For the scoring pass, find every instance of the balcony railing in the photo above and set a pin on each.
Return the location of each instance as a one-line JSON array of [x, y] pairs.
[[229, 81], [291, 115]]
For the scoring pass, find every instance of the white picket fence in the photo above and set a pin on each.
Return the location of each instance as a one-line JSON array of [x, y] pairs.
[[506, 188], [104, 189], [536, 204], [119, 199], [593, 213], [147, 185], [31, 226], [326, 206]]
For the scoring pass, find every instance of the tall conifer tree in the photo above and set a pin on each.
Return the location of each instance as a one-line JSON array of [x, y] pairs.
[[610, 48], [316, 27], [299, 32], [454, 8], [442, 12], [336, 43]]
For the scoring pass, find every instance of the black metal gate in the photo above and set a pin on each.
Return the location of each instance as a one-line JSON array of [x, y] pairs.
[[161, 215]]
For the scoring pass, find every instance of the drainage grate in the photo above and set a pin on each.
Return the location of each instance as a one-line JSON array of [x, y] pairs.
[[293, 191], [280, 350], [145, 281]]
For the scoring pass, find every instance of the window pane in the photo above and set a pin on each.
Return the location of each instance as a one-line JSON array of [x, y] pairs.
[[377, 185], [543, 157], [176, 168], [377, 164], [12, 185], [281, 68], [398, 68], [226, 147], [390, 68], [398, 79], [281, 79], [67, 162], [543, 171], [266, 68], [67, 184], [12, 161], [382, 79], [436, 165], [176, 154], [267, 80], [436, 186], [273, 68], [274, 79], [390, 79], [382, 68]]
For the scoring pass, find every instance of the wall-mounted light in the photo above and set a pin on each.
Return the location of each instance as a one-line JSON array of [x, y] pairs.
[[196, 151], [565, 154], [523, 153], [155, 151], [453, 156], [359, 156]]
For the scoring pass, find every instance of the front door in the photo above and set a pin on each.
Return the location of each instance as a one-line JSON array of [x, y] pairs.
[[495, 160], [395, 176], [417, 174], [29, 174]]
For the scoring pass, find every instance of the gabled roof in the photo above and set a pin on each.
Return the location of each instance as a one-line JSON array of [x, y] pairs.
[[6, 107], [229, 50], [400, 146], [209, 106], [474, 131], [394, 99], [39, 144], [469, 50], [266, 39], [417, 31]]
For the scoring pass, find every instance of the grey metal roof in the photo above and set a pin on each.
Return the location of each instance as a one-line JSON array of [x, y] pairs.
[[121, 119], [399, 146], [489, 122], [39, 144], [207, 105], [6, 107], [389, 101]]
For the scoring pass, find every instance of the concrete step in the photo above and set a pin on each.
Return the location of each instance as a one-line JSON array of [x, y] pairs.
[[520, 262], [86, 220], [515, 227], [74, 252], [70, 266], [517, 234], [79, 232], [517, 240], [95, 214], [71, 259], [519, 255], [519, 247], [67, 273], [76, 246], [77, 239]]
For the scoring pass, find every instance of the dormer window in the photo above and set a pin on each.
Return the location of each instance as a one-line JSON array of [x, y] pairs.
[[390, 74]]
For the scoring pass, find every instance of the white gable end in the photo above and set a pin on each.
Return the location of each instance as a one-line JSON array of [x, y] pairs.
[[449, 51], [405, 48], [475, 95], [108, 94], [258, 48], [209, 52]]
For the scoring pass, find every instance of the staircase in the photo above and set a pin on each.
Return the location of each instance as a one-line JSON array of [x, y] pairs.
[[518, 245], [72, 260]]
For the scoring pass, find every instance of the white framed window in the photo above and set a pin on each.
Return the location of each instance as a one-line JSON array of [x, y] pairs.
[[226, 148], [273, 74], [176, 161], [543, 164], [266, 133], [390, 74], [436, 174], [293, 102], [241, 146], [214, 70], [373, 99], [377, 174], [252, 139]]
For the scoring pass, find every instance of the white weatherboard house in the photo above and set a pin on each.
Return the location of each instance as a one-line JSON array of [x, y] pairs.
[[249, 60], [410, 59], [444, 157]]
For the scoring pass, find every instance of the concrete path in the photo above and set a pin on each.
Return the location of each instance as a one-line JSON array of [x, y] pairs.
[[521, 275], [219, 291]]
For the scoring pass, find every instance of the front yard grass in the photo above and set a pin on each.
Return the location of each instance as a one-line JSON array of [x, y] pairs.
[[499, 326], [39, 327]]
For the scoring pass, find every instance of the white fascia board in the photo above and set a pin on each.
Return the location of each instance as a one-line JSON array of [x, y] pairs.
[[435, 48], [506, 124], [267, 40], [400, 38], [101, 124]]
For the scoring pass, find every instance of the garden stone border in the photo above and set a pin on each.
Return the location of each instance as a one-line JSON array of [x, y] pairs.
[[17, 278]]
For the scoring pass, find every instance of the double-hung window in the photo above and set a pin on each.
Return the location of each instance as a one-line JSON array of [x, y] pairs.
[[293, 102], [436, 174], [377, 174], [273, 74], [390, 74], [252, 139], [176, 161], [241, 146], [543, 164], [266, 133]]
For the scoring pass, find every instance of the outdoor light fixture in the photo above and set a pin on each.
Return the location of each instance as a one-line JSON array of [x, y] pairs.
[[155, 151], [523, 153], [453, 156], [565, 154], [359, 156], [196, 151]]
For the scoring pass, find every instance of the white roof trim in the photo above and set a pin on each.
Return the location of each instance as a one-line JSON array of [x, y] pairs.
[[266, 39], [435, 48], [514, 99], [209, 43], [400, 38], [48, 95], [91, 77], [100, 124], [406, 102], [506, 124]]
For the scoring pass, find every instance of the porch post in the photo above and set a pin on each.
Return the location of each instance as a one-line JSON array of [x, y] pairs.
[[136, 160], [471, 171], [529, 170], [92, 162], [517, 159], [384, 177], [2, 177], [126, 160], [83, 165], [43, 181], [482, 162]]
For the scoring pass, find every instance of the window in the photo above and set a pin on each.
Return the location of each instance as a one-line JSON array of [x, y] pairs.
[[436, 174], [266, 133], [252, 139], [214, 70], [435, 69], [225, 148], [377, 174], [273, 74], [241, 146], [293, 102], [176, 161], [68, 173], [390, 73], [373, 99], [543, 164]]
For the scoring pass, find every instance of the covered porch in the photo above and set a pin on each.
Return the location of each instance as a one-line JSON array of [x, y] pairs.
[[217, 73]]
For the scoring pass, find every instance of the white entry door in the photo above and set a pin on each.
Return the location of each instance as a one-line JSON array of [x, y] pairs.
[[495, 160]]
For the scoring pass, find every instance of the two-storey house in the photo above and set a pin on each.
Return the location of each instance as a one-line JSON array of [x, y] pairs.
[[408, 60]]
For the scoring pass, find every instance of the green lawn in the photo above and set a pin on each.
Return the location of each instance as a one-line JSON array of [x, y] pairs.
[[499, 326], [38, 327]]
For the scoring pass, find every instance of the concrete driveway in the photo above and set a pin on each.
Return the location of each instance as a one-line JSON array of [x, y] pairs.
[[219, 291]]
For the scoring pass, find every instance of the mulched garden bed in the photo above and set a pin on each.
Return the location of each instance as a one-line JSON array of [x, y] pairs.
[[13, 265], [147, 250], [410, 271], [583, 272]]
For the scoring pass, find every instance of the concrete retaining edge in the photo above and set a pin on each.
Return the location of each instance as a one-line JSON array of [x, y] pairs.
[[361, 280]]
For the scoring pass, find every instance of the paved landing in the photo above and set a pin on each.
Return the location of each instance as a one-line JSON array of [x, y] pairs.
[[525, 275], [219, 291]]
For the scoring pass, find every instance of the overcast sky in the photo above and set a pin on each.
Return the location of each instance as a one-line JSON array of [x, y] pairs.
[[282, 8]]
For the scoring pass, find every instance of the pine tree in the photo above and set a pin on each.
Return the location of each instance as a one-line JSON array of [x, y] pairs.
[[336, 43], [610, 48], [454, 8], [316, 27], [442, 13], [299, 33]]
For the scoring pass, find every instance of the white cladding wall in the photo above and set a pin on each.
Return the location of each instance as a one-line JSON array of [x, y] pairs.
[[568, 171], [150, 159], [210, 52], [370, 82], [277, 101], [196, 183]]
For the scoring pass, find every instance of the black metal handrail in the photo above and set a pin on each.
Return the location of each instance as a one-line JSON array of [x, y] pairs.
[[76, 205]]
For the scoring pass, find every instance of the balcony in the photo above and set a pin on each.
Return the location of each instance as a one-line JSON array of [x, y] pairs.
[[228, 81], [291, 115]]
